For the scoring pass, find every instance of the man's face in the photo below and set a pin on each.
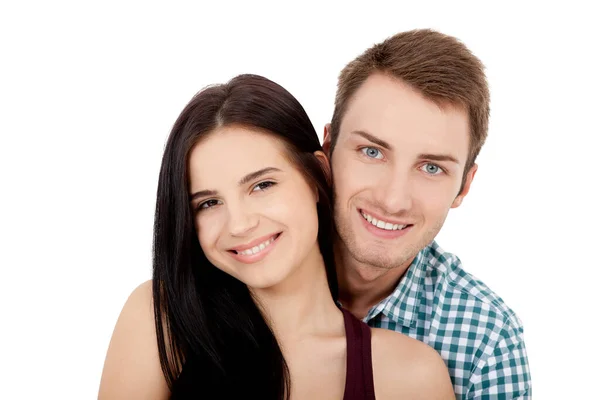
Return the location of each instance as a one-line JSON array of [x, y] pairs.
[[397, 170]]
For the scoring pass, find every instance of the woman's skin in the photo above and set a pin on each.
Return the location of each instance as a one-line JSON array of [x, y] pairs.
[[246, 192]]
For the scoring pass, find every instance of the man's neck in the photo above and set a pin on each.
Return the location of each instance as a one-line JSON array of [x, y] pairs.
[[362, 286]]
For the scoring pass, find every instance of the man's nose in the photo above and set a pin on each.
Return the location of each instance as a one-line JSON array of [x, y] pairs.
[[393, 192]]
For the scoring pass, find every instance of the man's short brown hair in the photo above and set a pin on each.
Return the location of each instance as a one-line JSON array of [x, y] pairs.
[[438, 66]]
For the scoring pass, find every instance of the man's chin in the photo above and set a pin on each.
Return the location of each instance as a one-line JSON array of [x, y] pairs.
[[374, 259], [384, 257]]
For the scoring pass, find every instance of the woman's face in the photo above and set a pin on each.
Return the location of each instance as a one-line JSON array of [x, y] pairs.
[[255, 214]]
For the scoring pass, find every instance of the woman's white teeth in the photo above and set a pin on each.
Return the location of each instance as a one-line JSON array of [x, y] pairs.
[[381, 224], [257, 249]]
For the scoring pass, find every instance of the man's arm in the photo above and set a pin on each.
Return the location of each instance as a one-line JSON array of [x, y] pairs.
[[504, 374]]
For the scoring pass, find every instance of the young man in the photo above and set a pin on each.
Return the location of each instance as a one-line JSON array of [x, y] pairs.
[[411, 115]]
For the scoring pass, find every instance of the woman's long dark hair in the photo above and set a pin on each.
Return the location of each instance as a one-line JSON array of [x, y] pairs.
[[207, 322]]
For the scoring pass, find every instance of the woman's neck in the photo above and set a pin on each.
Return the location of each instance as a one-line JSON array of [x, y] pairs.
[[301, 306]]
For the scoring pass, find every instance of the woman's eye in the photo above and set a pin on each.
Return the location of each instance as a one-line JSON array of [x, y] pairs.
[[432, 169], [208, 204], [372, 152], [262, 186]]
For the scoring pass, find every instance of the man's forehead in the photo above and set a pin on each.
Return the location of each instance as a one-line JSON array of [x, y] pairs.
[[395, 113]]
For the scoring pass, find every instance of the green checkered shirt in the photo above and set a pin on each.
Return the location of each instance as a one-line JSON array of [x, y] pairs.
[[477, 335]]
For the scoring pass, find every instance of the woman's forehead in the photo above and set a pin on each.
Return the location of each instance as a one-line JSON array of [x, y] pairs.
[[233, 151]]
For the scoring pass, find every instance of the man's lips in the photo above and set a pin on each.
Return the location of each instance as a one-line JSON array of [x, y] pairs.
[[383, 223], [389, 229]]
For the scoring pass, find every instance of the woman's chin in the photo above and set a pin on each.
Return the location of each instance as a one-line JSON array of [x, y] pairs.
[[263, 284]]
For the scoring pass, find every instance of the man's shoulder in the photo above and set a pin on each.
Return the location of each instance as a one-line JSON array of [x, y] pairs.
[[460, 293], [479, 337]]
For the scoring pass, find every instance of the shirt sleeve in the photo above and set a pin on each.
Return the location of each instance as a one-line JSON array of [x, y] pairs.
[[504, 374]]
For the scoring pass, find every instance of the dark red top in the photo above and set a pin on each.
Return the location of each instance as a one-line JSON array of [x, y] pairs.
[[359, 367]]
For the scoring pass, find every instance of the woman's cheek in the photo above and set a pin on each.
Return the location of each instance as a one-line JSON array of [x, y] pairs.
[[208, 228]]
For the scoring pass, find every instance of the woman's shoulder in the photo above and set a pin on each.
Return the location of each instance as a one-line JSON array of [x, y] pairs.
[[140, 299], [132, 367], [137, 314], [407, 367]]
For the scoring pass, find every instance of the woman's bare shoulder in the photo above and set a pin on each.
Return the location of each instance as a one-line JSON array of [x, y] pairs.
[[408, 368], [132, 368]]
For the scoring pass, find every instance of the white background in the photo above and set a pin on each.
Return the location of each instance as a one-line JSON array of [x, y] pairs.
[[89, 92]]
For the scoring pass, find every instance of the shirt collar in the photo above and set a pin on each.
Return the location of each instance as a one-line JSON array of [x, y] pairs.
[[401, 306]]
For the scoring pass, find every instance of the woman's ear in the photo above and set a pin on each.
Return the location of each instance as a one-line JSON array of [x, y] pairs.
[[325, 165]]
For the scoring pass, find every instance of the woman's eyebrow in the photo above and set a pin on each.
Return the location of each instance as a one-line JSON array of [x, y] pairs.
[[257, 174], [250, 177], [203, 193]]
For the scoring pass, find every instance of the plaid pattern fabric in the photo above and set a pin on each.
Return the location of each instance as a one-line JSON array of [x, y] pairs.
[[477, 335]]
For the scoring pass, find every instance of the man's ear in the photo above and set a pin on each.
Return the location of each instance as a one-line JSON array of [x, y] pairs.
[[327, 139], [466, 187], [325, 165]]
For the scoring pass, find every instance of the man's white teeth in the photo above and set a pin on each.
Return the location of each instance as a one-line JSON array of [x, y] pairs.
[[381, 224], [257, 248]]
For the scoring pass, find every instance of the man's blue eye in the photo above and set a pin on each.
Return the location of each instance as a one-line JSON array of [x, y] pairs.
[[432, 169], [372, 152]]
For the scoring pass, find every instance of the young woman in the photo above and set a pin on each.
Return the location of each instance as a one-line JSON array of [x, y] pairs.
[[242, 299]]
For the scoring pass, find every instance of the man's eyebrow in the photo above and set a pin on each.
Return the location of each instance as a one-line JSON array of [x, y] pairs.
[[257, 174], [438, 157], [373, 139]]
